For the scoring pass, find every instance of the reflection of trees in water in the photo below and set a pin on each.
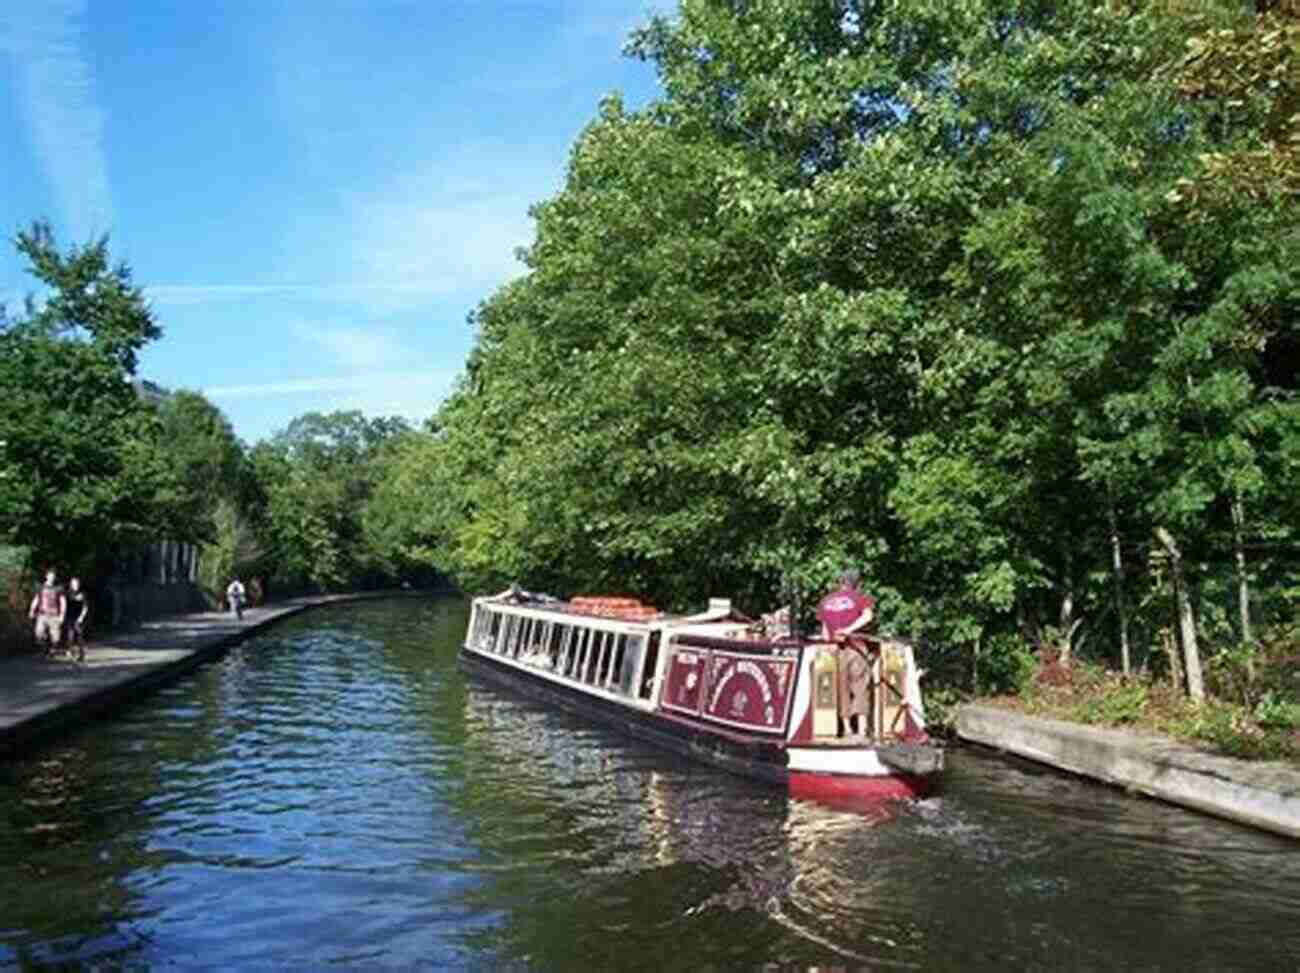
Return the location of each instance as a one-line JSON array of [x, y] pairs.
[[67, 854]]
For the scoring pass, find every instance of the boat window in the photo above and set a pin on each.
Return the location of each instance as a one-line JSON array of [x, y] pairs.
[[566, 645], [593, 656], [534, 649], [607, 654], [603, 664], [553, 642], [629, 663], [590, 645], [516, 633], [615, 661], [651, 663], [566, 648], [580, 639]]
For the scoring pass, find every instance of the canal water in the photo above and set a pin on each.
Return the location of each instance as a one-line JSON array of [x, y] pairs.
[[335, 792]]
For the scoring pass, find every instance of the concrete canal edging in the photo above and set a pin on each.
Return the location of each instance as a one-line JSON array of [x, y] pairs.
[[1264, 795], [40, 698]]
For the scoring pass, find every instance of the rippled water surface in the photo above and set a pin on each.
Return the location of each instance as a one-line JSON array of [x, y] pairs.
[[336, 792]]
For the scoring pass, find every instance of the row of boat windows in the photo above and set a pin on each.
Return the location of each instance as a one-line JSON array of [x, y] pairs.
[[593, 656]]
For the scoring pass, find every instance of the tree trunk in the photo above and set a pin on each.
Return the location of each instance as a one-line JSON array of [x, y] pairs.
[[1068, 624], [1243, 584], [1170, 644], [1186, 622], [1117, 568]]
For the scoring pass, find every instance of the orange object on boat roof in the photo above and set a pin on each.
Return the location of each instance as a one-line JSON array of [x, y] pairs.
[[607, 606]]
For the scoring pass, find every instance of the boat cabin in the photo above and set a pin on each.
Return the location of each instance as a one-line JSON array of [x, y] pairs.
[[714, 667]]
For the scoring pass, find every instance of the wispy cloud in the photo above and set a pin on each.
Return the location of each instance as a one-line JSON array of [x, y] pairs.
[[413, 395], [434, 378], [57, 98], [195, 295], [353, 347], [461, 245]]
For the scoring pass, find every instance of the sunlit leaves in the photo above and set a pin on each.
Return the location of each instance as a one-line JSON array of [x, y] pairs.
[[906, 285]]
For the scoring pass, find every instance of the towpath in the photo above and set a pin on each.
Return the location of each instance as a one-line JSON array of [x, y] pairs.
[[39, 697], [1264, 794]]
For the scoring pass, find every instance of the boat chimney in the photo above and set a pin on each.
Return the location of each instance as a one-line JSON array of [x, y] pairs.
[[719, 605]]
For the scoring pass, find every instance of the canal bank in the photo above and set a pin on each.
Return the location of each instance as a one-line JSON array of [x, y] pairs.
[[1261, 794], [38, 697]]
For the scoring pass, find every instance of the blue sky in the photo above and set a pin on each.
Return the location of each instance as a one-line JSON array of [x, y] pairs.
[[313, 194]]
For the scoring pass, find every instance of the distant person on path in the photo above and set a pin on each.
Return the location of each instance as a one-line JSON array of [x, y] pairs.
[[47, 609], [74, 622], [235, 597], [255, 592]]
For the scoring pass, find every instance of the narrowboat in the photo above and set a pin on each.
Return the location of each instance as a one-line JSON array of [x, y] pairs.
[[741, 694]]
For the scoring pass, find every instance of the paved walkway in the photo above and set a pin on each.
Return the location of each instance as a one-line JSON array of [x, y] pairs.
[[38, 697]]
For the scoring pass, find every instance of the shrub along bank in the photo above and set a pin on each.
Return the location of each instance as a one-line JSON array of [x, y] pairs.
[[1252, 710]]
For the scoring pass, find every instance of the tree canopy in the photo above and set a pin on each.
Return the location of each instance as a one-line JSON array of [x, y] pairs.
[[85, 465], [981, 297]]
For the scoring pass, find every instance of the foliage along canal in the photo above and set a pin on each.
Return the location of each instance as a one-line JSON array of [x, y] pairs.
[[335, 791]]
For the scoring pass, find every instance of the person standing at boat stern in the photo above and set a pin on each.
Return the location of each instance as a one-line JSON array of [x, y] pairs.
[[46, 611], [842, 612], [846, 609], [235, 597]]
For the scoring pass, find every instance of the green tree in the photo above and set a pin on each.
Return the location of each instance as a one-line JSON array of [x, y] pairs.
[[207, 457], [939, 288], [86, 470], [315, 478]]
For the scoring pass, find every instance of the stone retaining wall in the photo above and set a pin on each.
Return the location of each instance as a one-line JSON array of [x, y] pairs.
[[1262, 794]]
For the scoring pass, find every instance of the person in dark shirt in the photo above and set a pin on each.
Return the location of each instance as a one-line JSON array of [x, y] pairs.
[[74, 620]]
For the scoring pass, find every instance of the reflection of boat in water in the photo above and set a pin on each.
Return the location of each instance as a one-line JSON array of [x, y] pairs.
[[627, 817], [715, 687]]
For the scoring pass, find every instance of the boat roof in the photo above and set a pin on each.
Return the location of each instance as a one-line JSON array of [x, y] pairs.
[[618, 609]]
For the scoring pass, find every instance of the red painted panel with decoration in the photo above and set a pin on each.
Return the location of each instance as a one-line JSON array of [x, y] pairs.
[[683, 689], [750, 692]]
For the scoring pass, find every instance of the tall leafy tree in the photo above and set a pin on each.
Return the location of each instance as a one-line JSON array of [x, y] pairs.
[[949, 290], [315, 478], [85, 466]]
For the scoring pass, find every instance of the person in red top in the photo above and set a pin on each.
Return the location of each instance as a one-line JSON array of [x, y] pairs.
[[47, 609], [842, 612], [846, 609]]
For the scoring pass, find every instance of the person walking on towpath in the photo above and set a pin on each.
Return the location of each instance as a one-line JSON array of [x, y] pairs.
[[47, 609], [235, 597], [74, 622]]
